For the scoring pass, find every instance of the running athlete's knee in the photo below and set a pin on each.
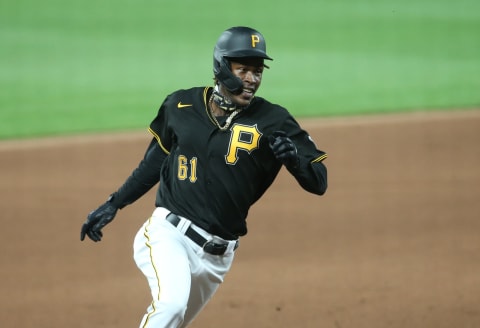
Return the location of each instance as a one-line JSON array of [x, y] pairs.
[[171, 314], [176, 309]]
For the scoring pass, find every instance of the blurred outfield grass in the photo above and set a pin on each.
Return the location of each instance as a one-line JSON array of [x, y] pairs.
[[85, 66]]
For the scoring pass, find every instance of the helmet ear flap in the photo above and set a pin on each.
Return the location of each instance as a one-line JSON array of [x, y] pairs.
[[224, 74]]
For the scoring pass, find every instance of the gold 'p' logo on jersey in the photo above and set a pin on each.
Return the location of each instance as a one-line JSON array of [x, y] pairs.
[[255, 40], [244, 137]]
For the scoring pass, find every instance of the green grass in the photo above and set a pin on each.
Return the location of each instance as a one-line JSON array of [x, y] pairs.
[[87, 66]]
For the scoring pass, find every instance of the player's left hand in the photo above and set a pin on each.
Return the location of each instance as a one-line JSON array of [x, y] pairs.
[[98, 219], [284, 149]]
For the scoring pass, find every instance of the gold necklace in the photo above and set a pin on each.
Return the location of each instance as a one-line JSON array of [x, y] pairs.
[[229, 118]]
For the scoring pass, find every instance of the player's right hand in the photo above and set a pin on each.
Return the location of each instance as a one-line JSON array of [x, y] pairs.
[[98, 219]]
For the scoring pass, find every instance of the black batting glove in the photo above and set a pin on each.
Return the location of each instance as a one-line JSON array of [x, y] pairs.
[[98, 219], [284, 149]]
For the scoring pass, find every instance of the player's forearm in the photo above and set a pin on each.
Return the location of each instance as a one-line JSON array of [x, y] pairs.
[[312, 177], [130, 191]]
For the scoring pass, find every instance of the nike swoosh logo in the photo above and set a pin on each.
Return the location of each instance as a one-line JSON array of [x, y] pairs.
[[180, 105]]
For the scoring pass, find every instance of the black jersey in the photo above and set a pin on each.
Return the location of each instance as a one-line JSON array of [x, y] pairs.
[[213, 177]]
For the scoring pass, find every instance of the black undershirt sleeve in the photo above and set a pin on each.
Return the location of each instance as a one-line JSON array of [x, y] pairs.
[[311, 176], [142, 179]]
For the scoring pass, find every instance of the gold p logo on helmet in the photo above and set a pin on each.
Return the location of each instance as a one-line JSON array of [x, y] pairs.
[[255, 40]]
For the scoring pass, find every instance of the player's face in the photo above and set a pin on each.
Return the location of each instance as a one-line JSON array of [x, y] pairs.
[[250, 72]]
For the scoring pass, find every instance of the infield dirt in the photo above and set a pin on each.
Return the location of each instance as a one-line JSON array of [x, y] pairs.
[[395, 242]]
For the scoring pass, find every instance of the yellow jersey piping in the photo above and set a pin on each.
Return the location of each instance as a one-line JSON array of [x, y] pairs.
[[319, 159], [158, 140]]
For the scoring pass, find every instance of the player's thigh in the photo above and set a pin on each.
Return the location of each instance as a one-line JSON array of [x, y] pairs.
[[162, 255]]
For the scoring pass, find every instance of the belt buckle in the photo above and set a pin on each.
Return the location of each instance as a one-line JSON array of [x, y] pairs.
[[214, 248]]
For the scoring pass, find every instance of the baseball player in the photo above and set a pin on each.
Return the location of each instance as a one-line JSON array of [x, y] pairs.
[[214, 152]]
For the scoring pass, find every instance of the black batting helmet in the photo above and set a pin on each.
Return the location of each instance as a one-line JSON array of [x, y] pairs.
[[236, 42]]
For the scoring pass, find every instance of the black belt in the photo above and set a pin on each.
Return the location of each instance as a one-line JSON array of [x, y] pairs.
[[208, 246]]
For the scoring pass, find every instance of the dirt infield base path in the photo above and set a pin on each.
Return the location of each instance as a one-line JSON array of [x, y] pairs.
[[394, 243]]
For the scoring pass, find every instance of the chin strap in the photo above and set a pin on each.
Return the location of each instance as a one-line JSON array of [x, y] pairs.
[[224, 102]]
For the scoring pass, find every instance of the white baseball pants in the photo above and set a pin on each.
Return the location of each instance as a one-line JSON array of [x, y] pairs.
[[181, 276]]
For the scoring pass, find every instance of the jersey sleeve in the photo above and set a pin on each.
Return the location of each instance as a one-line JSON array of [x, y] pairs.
[[159, 127], [146, 175]]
